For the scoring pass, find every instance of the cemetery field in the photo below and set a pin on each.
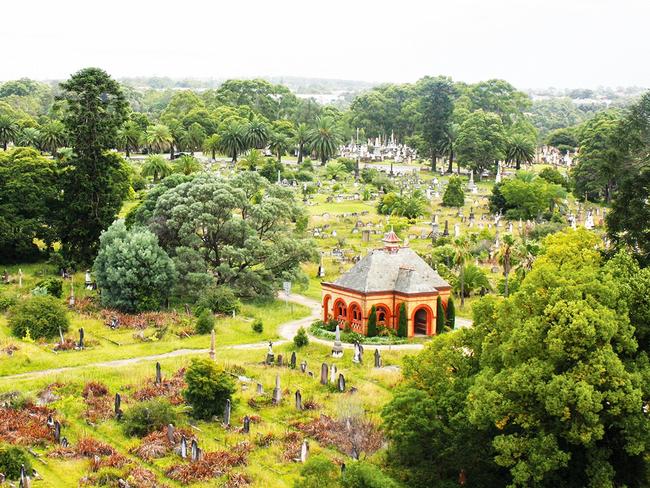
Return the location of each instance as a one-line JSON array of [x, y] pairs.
[[273, 443]]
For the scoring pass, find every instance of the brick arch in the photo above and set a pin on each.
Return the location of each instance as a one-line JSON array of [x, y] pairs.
[[429, 319], [340, 310], [326, 306], [387, 311], [355, 317]]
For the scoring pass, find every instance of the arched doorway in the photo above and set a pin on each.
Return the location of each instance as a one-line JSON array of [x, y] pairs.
[[326, 308], [421, 321]]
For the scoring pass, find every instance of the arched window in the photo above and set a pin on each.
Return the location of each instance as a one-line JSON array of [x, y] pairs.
[[356, 317], [340, 310], [382, 315]]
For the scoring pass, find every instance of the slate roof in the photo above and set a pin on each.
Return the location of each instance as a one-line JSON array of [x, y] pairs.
[[400, 270]]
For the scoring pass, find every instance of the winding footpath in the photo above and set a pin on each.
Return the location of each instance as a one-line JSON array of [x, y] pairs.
[[287, 331]]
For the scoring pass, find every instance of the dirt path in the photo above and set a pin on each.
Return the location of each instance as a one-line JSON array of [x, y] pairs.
[[287, 331]]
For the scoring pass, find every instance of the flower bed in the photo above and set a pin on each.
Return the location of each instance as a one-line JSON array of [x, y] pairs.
[[322, 330]]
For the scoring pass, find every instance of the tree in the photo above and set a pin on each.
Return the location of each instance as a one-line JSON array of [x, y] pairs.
[[451, 313], [454, 195], [257, 133], [402, 321], [29, 137], [208, 388], [242, 227], [301, 139], [187, 165], [232, 139], [53, 136], [279, 144], [372, 322], [12, 460], [435, 107], [133, 272], [519, 149], [156, 167], [301, 339], [481, 141], [28, 192], [318, 472], [159, 138], [461, 253], [148, 416], [441, 320], [130, 136], [211, 145], [504, 257], [254, 159], [38, 317], [205, 322], [501, 98], [96, 182], [8, 131], [194, 137], [324, 139], [362, 474], [335, 170]]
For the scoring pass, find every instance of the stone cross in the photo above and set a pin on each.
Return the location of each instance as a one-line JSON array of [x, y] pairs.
[[292, 363], [341, 383], [377, 359], [298, 400], [323, 374], [170, 433], [247, 425], [226, 413], [304, 451], [81, 338], [212, 341], [270, 357], [183, 447], [277, 392], [333, 371], [158, 374]]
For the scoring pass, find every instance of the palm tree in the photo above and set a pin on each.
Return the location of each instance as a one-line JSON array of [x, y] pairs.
[[211, 145], [130, 137], [301, 139], [526, 252], [461, 253], [411, 205], [448, 146], [324, 139], [335, 171], [254, 158], [232, 139], [520, 149], [159, 138], [65, 154], [279, 144], [53, 136], [30, 136], [187, 165], [257, 134], [156, 166], [8, 131], [472, 278], [504, 257]]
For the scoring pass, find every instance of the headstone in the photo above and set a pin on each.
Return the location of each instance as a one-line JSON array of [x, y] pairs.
[[64, 442], [118, 403], [456, 230], [270, 357], [212, 344], [279, 359], [445, 232], [292, 362], [260, 389], [183, 447], [88, 281], [333, 371], [304, 451], [247, 425], [57, 432], [358, 353], [170, 433], [194, 451], [20, 277], [158, 374], [298, 400], [377, 359], [323, 374], [337, 349], [80, 345], [303, 366], [277, 392], [226, 413], [341, 383]]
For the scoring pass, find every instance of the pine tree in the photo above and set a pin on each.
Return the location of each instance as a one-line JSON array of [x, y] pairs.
[[451, 313], [440, 317], [372, 322], [402, 324]]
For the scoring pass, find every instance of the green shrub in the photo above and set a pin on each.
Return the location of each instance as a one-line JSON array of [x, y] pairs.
[[372, 322], [146, 417], [11, 459], [365, 475], [440, 317], [402, 322], [454, 196], [219, 299], [205, 322], [208, 388], [451, 313], [42, 316], [318, 472], [50, 286], [301, 339], [258, 326], [6, 301]]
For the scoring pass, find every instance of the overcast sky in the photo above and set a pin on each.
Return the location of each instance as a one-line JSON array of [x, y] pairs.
[[531, 43]]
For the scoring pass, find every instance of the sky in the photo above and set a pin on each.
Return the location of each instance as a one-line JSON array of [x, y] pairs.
[[530, 43]]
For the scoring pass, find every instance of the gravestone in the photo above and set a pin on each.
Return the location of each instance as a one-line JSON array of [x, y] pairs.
[[279, 359], [304, 451], [170, 434], [118, 404], [247, 425], [333, 371], [445, 232], [80, 345], [341, 383], [195, 451], [358, 353], [277, 392], [158, 374], [183, 447], [292, 362], [298, 400], [212, 344], [337, 350], [50, 421], [226, 414], [303, 366], [64, 442], [270, 357], [260, 389], [57, 432], [323, 374], [377, 359]]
